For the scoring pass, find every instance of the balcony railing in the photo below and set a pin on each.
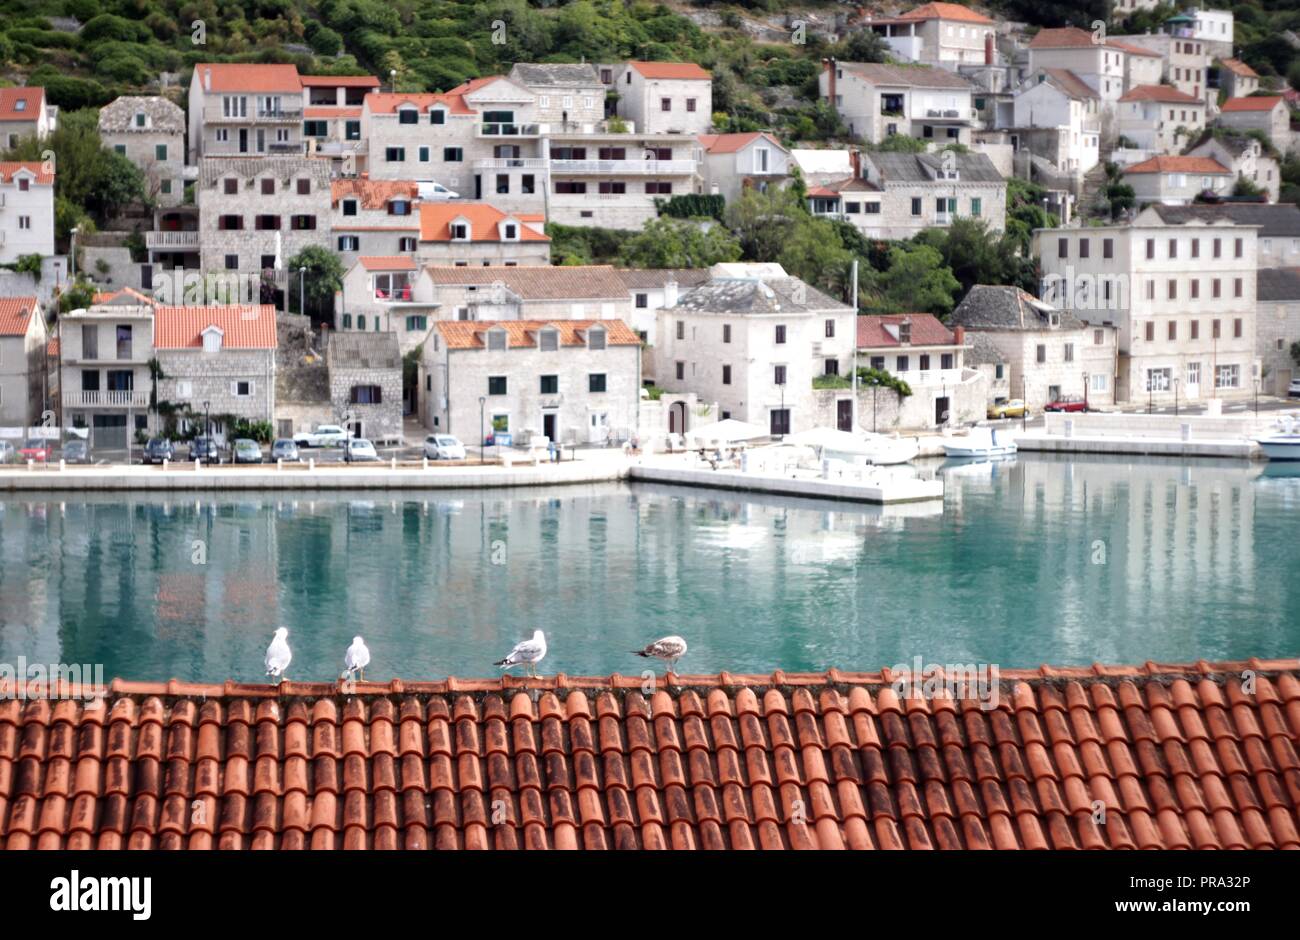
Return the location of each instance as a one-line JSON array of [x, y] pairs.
[[128, 399], [285, 148], [279, 114], [624, 167], [511, 163], [171, 240], [508, 130]]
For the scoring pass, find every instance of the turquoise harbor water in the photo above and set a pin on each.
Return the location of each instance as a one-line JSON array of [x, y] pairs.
[[1038, 560]]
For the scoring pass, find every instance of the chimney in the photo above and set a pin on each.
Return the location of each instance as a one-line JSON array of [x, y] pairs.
[[207, 79], [830, 80], [855, 161], [988, 49], [959, 336], [670, 293]]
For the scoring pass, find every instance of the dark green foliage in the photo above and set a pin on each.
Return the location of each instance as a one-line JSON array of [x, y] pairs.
[[692, 206], [583, 245]]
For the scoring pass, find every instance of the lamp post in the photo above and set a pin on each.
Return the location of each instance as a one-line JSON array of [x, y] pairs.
[[392, 80], [1024, 403], [482, 437], [302, 291], [1176, 396], [72, 256], [1256, 398], [207, 423], [1085, 392]]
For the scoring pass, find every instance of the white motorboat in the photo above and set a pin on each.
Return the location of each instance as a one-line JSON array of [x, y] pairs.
[[980, 443], [863, 447], [1284, 444]]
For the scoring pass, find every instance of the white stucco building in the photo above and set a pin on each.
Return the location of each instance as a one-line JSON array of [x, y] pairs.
[[877, 101], [26, 210]]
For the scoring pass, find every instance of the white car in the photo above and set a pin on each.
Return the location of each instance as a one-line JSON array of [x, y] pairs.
[[443, 447], [1294, 390], [435, 192], [325, 435], [358, 449]]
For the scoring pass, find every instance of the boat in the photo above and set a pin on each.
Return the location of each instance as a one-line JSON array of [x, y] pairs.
[[1284, 444], [980, 443], [863, 447]]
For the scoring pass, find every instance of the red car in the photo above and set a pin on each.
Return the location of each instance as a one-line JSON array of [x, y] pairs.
[[36, 449], [1068, 403]]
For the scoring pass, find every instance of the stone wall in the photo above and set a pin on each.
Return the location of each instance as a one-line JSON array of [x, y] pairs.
[[382, 422], [882, 410], [193, 377]]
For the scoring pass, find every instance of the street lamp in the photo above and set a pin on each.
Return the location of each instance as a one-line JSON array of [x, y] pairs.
[[1176, 396], [207, 423], [72, 256], [302, 291], [392, 79], [1256, 398], [1085, 392], [482, 436]]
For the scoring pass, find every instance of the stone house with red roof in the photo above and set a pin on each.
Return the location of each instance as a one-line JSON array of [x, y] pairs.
[[419, 137], [1178, 180], [478, 233], [1237, 79], [1266, 113], [218, 361], [373, 217], [244, 108], [1101, 65], [1059, 116], [944, 34], [1185, 60], [385, 294], [24, 336], [576, 381], [25, 112], [1160, 118], [149, 130], [26, 210], [1245, 159], [664, 97], [732, 163], [877, 100]]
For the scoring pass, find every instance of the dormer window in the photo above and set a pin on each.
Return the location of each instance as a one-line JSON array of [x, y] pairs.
[[408, 116], [496, 339], [349, 207], [140, 119], [509, 231], [438, 116], [596, 338], [548, 339], [212, 339], [20, 104], [905, 332], [399, 207], [459, 230]]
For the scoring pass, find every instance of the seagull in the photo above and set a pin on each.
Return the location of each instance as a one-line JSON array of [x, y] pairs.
[[669, 649], [527, 652], [278, 654], [356, 659]]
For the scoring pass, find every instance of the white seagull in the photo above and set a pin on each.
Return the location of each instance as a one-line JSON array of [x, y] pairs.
[[669, 649], [278, 654], [528, 653], [356, 659]]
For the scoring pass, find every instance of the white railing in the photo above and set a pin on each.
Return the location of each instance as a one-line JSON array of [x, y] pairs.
[[508, 130], [171, 239], [926, 377], [511, 163], [625, 167], [133, 399]]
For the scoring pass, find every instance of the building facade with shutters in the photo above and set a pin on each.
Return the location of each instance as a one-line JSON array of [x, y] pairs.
[[365, 377]]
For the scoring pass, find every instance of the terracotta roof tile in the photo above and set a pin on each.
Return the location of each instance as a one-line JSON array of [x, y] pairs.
[[670, 70], [388, 102], [946, 11], [32, 100], [373, 194], [9, 168], [219, 77], [1163, 93], [1237, 67], [1176, 164], [469, 334], [436, 219], [824, 761], [16, 315], [926, 330], [1256, 103], [243, 326], [1115, 43], [730, 143], [339, 81]]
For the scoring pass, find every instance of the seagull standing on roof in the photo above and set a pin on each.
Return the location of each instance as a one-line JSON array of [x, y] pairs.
[[278, 654], [356, 659], [669, 649], [527, 653]]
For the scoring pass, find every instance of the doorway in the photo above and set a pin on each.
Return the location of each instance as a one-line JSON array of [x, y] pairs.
[[940, 411], [550, 425], [844, 415], [677, 418], [780, 422], [243, 140], [599, 427]]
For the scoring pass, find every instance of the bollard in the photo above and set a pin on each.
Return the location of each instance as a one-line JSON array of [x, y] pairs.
[[393, 464], [426, 463], [1187, 430], [198, 464], [62, 464], [279, 463], [1069, 427], [165, 462], [311, 463]]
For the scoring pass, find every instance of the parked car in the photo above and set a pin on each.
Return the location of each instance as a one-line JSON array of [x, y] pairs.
[[76, 451], [36, 448], [246, 451], [1294, 390], [443, 447], [157, 450], [1013, 408], [1067, 403], [358, 450], [205, 449], [285, 449], [431, 191], [325, 435]]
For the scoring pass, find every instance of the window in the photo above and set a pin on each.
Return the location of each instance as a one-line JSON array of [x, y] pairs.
[[726, 375], [230, 223], [1172, 292], [1171, 330], [423, 154], [1097, 382], [1237, 249], [916, 205], [1218, 248], [268, 187], [527, 184], [830, 329], [1173, 248], [452, 154], [665, 104], [241, 389], [438, 116], [778, 375], [459, 231], [681, 370], [266, 223], [352, 130], [831, 367], [1151, 249], [549, 340], [417, 322], [160, 152], [1085, 248], [1195, 328], [407, 243], [1236, 328], [681, 329], [302, 223], [1158, 380], [1216, 329], [1196, 247], [946, 361], [690, 105], [1041, 353], [611, 187], [399, 207], [1227, 376], [596, 338], [662, 188], [349, 207], [902, 364], [1108, 247], [496, 340], [1069, 352], [780, 333], [642, 301], [1098, 337], [496, 385], [1236, 287], [549, 385], [596, 382], [408, 116], [1196, 288], [1150, 331], [975, 205], [1214, 287], [726, 332], [571, 187], [232, 262], [395, 154]]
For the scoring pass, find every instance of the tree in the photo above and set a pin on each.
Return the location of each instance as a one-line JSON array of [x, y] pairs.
[[816, 255], [865, 45], [679, 243], [323, 278], [899, 143], [974, 254], [915, 280], [764, 221]]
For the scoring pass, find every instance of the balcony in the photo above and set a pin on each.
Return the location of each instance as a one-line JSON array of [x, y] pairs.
[[128, 399], [508, 130], [623, 167], [285, 148], [511, 163], [279, 115], [171, 241]]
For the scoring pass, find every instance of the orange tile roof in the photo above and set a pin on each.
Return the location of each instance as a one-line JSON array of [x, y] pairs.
[[52, 347], [1166, 94], [243, 326], [946, 11], [1180, 756], [1260, 103], [671, 70], [474, 84], [1165, 164], [382, 102], [9, 167], [339, 81], [16, 315], [1132, 49], [1065, 37], [435, 219], [373, 194], [33, 99], [104, 297], [248, 76], [1237, 67], [387, 262], [326, 111], [730, 143], [927, 330], [522, 334], [538, 282]]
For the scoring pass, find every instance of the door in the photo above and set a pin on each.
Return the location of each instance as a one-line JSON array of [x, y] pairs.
[[844, 415], [261, 141], [941, 410], [243, 140], [1193, 386], [108, 432], [599, 427], [478, 186], [550, 426], [780, 422]]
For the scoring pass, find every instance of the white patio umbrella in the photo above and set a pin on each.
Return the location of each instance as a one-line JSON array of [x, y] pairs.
[[727, 431]]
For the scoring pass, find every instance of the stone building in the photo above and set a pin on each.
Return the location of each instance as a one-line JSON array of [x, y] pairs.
[[732, 163], [150, 132], [1277, 327], [23, 373], [476, 233], [665, 97], [217, 362], [386, 293], [24, 112], [944, 34], [1178, 180], [1237, 78], [365, 380], [256, 213], [26, 210], [1263, 113], [419, 137], [1245, 158], [244, 108], [1102, 65], [878, 101], [1160, 118], [921, 351], [574, 381], [104, 373], [374, 217]]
